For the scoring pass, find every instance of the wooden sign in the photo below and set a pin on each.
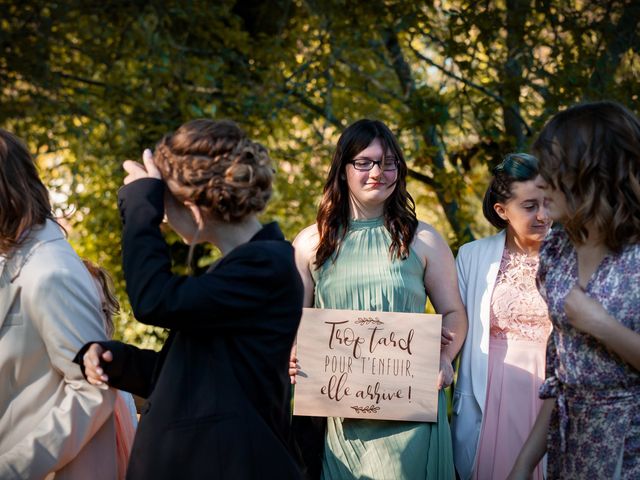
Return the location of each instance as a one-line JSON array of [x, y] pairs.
[[374, 365]]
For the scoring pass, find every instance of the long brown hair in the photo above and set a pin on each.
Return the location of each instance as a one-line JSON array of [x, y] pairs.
[[334, 215], [591, 152], [24, 200], [110, 305]]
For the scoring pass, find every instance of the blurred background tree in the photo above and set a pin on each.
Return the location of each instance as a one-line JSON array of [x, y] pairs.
[[89, 84]]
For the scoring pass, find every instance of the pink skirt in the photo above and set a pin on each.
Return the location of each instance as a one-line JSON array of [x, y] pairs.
[[125, 431], [516, 370]]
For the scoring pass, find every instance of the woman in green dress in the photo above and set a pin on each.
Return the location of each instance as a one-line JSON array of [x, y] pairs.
[[368, 251]]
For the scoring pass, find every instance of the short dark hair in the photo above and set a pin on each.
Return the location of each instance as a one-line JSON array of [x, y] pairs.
[[24, 200], [515, 167]]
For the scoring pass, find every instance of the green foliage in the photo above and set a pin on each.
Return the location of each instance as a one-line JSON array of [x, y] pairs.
[[90, 84]]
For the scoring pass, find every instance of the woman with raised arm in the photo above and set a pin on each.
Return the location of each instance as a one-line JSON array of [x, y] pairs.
[[218, 393], [589, 275], [502, 363], [368, 251]]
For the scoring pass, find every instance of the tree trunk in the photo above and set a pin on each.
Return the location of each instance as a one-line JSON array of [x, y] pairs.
[[517, 13]]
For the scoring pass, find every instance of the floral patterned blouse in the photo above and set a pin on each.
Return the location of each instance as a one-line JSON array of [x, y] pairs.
[[595, 427]]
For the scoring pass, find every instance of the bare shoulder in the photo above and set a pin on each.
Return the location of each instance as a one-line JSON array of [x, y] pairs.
[[307, 236], [306, 242], [427, 239], [430, 246]]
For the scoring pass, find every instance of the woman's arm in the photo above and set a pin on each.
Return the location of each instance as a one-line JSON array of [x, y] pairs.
[[305, 245], [232, 296], [588, 315], [536, 445], [440, 280], [122, 366]]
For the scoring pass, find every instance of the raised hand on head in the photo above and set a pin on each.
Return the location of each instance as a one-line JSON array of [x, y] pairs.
[[136, 170]]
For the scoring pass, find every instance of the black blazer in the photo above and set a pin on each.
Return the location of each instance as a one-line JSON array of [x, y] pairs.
[[219, 396]]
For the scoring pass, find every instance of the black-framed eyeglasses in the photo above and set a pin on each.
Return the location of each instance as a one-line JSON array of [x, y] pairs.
[[366, 164]]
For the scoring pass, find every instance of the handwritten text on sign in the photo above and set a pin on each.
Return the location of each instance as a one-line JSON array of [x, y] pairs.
[[375, 365]]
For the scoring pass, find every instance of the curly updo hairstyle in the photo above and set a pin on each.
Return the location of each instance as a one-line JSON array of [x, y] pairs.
[[213, 164], [515, 167]]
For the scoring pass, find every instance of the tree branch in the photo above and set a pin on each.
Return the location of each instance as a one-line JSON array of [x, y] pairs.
[[458, 78], [517, 13], [86, 81], [429, 133], [422, 178], [471, 84], [372, 80], [317, 109]]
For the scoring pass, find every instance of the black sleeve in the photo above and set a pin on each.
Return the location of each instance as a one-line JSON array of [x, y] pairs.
[[241, 283], [131, 369]]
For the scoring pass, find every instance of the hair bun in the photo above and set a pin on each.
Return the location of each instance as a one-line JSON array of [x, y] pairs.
[[213, 164]]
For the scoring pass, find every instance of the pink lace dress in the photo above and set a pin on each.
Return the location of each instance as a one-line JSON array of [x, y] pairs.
[[519, 329]]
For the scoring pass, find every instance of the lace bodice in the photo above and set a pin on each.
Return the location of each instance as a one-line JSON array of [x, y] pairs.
[[518, 312]]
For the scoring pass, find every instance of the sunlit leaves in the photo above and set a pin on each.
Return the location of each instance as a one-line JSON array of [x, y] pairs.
[[90, 84]]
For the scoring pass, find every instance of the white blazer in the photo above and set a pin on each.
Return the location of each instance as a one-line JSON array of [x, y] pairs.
[[52, 421], [477, 264]]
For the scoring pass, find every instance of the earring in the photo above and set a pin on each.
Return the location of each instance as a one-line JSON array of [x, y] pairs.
[[343, 176]]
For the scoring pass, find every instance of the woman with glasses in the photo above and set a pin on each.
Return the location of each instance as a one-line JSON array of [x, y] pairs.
[[502, 363], [368, 251]]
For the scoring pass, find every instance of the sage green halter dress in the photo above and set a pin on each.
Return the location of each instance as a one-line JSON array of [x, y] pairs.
[[364, 278]]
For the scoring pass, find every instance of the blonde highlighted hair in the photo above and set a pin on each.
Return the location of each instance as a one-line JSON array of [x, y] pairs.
[[110, 305]]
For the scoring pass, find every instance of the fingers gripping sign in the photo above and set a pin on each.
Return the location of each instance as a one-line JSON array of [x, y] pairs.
[[294, 366], [136, 170]]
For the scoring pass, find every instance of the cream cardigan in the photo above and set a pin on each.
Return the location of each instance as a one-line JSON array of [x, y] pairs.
[[477, 264]]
